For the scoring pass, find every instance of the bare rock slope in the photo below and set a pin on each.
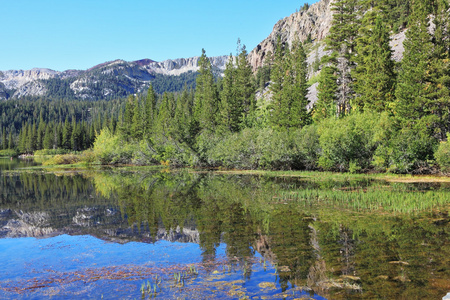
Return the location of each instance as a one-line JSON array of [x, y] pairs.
[[315, 21]]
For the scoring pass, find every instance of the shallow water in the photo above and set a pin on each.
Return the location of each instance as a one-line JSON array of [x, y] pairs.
[[188, 235]]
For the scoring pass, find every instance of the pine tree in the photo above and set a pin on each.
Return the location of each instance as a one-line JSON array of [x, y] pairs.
[[374, 74], [138, 122], [164, 117], [11, 144], [289, 88], [66, 142], [230, 115], [150, 107], [244, 86], [412, 85], [298, 113], [4, 142], [30, 142], [206, 100], [48, 137], [326, 103], [127, 118], [342, 41], [276, 87], [438, 84]]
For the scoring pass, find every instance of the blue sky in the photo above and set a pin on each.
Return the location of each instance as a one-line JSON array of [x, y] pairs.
[[78, 34]]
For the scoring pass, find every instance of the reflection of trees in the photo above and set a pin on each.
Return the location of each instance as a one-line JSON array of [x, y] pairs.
[[338, 253]]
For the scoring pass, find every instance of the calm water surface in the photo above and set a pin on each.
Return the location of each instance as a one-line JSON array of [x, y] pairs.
[[187, 235]]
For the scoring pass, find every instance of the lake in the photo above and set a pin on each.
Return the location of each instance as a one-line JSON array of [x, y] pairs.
[[142, 233]]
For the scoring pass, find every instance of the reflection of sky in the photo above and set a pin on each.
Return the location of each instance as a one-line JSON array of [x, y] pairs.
[[69, 253], [26, 259]]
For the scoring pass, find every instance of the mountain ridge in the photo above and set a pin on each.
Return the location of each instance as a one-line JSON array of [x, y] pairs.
[[130, 77]]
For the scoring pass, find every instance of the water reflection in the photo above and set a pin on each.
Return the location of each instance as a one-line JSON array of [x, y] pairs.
[[325, 245]]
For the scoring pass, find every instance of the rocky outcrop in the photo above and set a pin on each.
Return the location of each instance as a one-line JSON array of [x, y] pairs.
[[14, 79], [314, 22], [182, 65]]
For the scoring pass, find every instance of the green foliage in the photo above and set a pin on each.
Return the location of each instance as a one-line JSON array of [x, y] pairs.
[[404, 150], [289, 87], [206, 98], [374, 74], [254, 148], [110, 149], [64, 159], [8, 153], [348, 142], [325, 106], [442, 155]]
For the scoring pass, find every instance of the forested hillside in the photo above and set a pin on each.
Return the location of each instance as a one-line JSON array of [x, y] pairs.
[[371, 114]]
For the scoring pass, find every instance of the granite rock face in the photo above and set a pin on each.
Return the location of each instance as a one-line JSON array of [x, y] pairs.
[[315, 21]]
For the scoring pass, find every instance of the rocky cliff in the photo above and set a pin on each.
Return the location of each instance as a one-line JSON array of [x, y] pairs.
[[314, 22]]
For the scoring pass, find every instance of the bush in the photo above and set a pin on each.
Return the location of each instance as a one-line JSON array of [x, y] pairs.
[[8, 153], [348, 142], [254, 148], [110, 149], [306, 148], [442, 155], [405, 150], [65, 159], [237, 150]]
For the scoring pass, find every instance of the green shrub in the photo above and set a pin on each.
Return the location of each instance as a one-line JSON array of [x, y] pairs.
[[111, 149], [237, 150], [306, 148], [404, 149], [8, 153], [64, 159], [442, 155], [348, 140]]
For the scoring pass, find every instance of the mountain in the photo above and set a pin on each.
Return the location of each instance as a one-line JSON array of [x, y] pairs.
[[107, 80], [312, 21]]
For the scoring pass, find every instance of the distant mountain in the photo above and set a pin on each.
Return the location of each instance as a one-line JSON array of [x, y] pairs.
[[107, 80]]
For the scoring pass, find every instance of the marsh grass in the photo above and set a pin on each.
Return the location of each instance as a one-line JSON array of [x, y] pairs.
[[397, 197]]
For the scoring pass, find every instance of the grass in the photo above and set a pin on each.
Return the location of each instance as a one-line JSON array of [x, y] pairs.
[[397, 198]]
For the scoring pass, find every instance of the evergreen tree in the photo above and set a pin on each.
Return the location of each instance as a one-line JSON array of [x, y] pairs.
[[289, 88], [298, 113], [206, 100], [138, 122], [164, 118], [11, 144], [230, 112], [374, 74], [4, 142], [127, 118], [244, 86], [31, 138], [341, 40], [150, 107], [48, 142], [412, 86], [326, 103], [66, 142], [276, 87]]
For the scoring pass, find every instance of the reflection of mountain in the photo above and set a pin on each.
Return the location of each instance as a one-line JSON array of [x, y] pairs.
[[104, 223], [45, 205], [338, 252]]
